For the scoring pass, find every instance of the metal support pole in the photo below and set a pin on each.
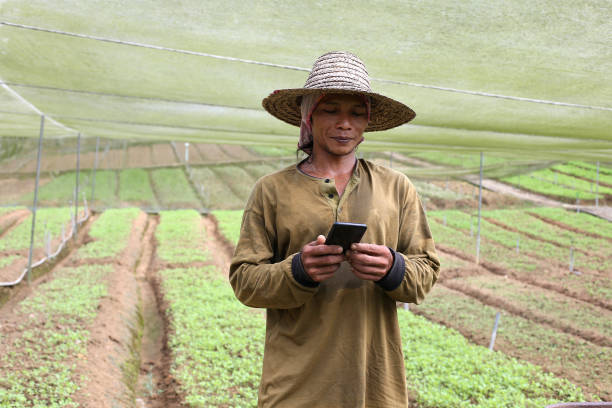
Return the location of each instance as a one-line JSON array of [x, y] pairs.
[[187, 153], [76, 189], [571, 265], [479, 209], [597, 186], [34, 205], [494, 334], [93, 175]]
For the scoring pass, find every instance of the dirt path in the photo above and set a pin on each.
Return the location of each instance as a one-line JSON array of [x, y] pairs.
[[155, 387], [217, 245], [109, 367]]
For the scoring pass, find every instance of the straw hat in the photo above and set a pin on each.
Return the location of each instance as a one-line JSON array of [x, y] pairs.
[[338, 72]]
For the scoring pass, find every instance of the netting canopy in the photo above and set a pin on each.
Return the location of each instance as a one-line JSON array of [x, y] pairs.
[[521, 76]]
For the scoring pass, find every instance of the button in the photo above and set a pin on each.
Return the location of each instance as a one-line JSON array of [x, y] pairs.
[[327, 180], [330, 195], [339, 210]]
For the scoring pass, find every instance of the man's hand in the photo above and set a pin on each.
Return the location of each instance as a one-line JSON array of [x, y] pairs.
[[370, 261], [320, 261]]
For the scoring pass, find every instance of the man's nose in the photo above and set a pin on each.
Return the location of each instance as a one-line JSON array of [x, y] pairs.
[[344, 121]]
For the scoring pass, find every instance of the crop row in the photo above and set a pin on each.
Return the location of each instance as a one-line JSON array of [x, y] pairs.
[[565, 355], [578, 170], [48, 221], [49, 334], [558, 184], [536, 248], [580, 221], [457, 231]]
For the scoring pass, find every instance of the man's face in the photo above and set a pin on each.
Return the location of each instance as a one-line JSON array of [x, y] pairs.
[[338, 124]]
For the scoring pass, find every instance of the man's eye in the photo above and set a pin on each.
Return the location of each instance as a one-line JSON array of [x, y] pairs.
[[329, 110], [358, 113]]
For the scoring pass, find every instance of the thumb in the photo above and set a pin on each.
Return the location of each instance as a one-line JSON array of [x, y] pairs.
[[320, 240]]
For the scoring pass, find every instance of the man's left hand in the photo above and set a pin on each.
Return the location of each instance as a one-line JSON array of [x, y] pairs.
[[369, 261]]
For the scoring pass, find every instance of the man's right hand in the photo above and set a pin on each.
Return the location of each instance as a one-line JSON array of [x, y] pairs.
[[321, 261]]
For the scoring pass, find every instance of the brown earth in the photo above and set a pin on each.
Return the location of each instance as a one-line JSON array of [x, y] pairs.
[[11, 220], [163, 155], [218, 245], [568, 227], [139, 156], [13, 189], [212, 152], [575, 374], [601, 183], [238, 152], [110, 348], [507, 227], [489, 298], [12, 295], [542, 280]]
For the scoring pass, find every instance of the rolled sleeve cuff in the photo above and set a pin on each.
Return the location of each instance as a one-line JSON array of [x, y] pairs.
[[395, 276], [299, 274]]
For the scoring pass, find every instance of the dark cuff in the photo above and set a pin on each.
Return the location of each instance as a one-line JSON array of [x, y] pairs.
[[299, 274], [395, 276]]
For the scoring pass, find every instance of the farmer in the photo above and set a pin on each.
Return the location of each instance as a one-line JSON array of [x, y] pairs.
[[332, 335]]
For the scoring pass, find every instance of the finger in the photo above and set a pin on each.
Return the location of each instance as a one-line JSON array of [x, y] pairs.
[[316, 261], [358, 258], [372, 249], [321, 250]]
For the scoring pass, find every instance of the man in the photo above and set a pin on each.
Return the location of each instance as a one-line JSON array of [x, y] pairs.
[[332, 336]]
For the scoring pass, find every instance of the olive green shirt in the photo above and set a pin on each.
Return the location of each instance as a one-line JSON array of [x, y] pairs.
[[337, 343]]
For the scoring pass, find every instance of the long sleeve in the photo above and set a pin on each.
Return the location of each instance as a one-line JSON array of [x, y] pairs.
[[416, 265], [257, 280]]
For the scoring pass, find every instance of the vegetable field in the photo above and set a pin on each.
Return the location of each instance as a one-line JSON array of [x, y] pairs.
[[139, 302]]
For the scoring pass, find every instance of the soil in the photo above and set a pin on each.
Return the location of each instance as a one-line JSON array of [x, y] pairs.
[[218, 245], [163, 155], [13, 189], [108, 381], [237, 152], [212, 152], [569, 227], [490, 299], [542, 280], [139, 157], [538, 238], [11, 220]]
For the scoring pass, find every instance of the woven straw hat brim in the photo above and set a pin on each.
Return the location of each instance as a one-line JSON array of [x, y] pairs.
[[385, 113]]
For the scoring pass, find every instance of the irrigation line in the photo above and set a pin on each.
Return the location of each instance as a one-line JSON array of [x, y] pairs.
[[53, 255], [295, 68]]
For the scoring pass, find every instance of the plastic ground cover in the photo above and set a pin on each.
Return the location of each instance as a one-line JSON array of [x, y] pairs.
[[545, 51]]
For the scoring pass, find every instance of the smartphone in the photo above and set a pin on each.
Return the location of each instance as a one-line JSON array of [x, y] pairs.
[[344, 234]]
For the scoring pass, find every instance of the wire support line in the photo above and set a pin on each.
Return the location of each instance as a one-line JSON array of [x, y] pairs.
[[164, 125], [492, 95], [30, 105], [110, 94], [155, 47], [295, 68]]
